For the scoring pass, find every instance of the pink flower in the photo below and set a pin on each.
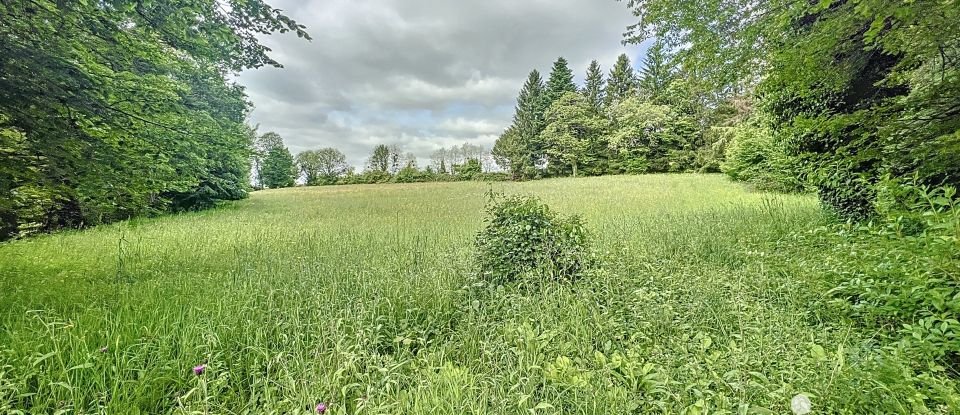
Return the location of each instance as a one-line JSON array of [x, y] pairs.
[[198, 370], [321, 408]]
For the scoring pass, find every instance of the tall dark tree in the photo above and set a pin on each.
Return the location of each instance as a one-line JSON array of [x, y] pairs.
[[656, 74], [622, 82], [525, 148], [560, 81], [593, 87]]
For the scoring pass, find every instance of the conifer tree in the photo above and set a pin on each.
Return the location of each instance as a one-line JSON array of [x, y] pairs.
[[622, 83], [528, 120], [560, 82], [593, 87], [657, 73]]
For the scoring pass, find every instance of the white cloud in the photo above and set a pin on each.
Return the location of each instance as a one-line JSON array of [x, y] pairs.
[[419, 73]]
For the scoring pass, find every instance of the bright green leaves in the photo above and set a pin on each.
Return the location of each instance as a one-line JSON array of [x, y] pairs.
[[125, 105], [572, 126], [524, 240]]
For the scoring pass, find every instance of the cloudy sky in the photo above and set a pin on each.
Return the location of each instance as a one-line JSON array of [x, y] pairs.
[[420, 74]]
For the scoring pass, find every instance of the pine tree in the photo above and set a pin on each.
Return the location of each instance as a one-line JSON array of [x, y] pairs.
[[622, 83], [657, 73], [528, 120], [593, 87], [561, 81]]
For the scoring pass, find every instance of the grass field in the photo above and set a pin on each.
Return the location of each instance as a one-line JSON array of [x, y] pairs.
[[363, 297]]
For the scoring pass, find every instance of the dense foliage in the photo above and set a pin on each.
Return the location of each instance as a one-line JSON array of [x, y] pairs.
[[900, 274], [649, 122], [852, 90], [114, 109], [859, 100], [524, 240]]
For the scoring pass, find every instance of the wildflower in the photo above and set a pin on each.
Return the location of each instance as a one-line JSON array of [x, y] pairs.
[[198, 370], [321, 408], [800, 404]]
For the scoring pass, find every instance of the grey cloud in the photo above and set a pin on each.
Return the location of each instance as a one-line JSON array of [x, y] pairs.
[[419, 73]]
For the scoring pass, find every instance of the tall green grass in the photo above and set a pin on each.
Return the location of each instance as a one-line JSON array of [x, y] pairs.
[[363, 297]]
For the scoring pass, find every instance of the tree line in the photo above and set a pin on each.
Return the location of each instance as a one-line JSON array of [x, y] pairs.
[[274, 166], [647, 121], [115, 109]]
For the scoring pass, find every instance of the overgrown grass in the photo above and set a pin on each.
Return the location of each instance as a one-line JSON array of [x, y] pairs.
[[365, 297]]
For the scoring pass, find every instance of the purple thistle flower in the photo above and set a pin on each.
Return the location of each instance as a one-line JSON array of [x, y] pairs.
[[321, 408], [198, 370]]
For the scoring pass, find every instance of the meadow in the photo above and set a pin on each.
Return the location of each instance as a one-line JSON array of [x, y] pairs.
[[365, 298]]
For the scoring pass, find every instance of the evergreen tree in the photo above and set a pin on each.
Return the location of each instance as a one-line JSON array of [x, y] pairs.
[[528, 121], [657, 73], [593, 87], [622, 83], [560, 82]]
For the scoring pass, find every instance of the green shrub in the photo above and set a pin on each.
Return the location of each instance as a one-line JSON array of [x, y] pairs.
[[901, 275], [468, 170], [524, 238], [754, 156]]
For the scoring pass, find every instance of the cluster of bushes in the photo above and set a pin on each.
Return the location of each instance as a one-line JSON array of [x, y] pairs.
[[753, 156], [414, 175]]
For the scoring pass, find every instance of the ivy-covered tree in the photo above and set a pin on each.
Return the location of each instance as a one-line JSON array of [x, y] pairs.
[[593, 87]]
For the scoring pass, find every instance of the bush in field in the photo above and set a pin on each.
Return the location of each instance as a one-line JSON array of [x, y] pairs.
[[523, 237]]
